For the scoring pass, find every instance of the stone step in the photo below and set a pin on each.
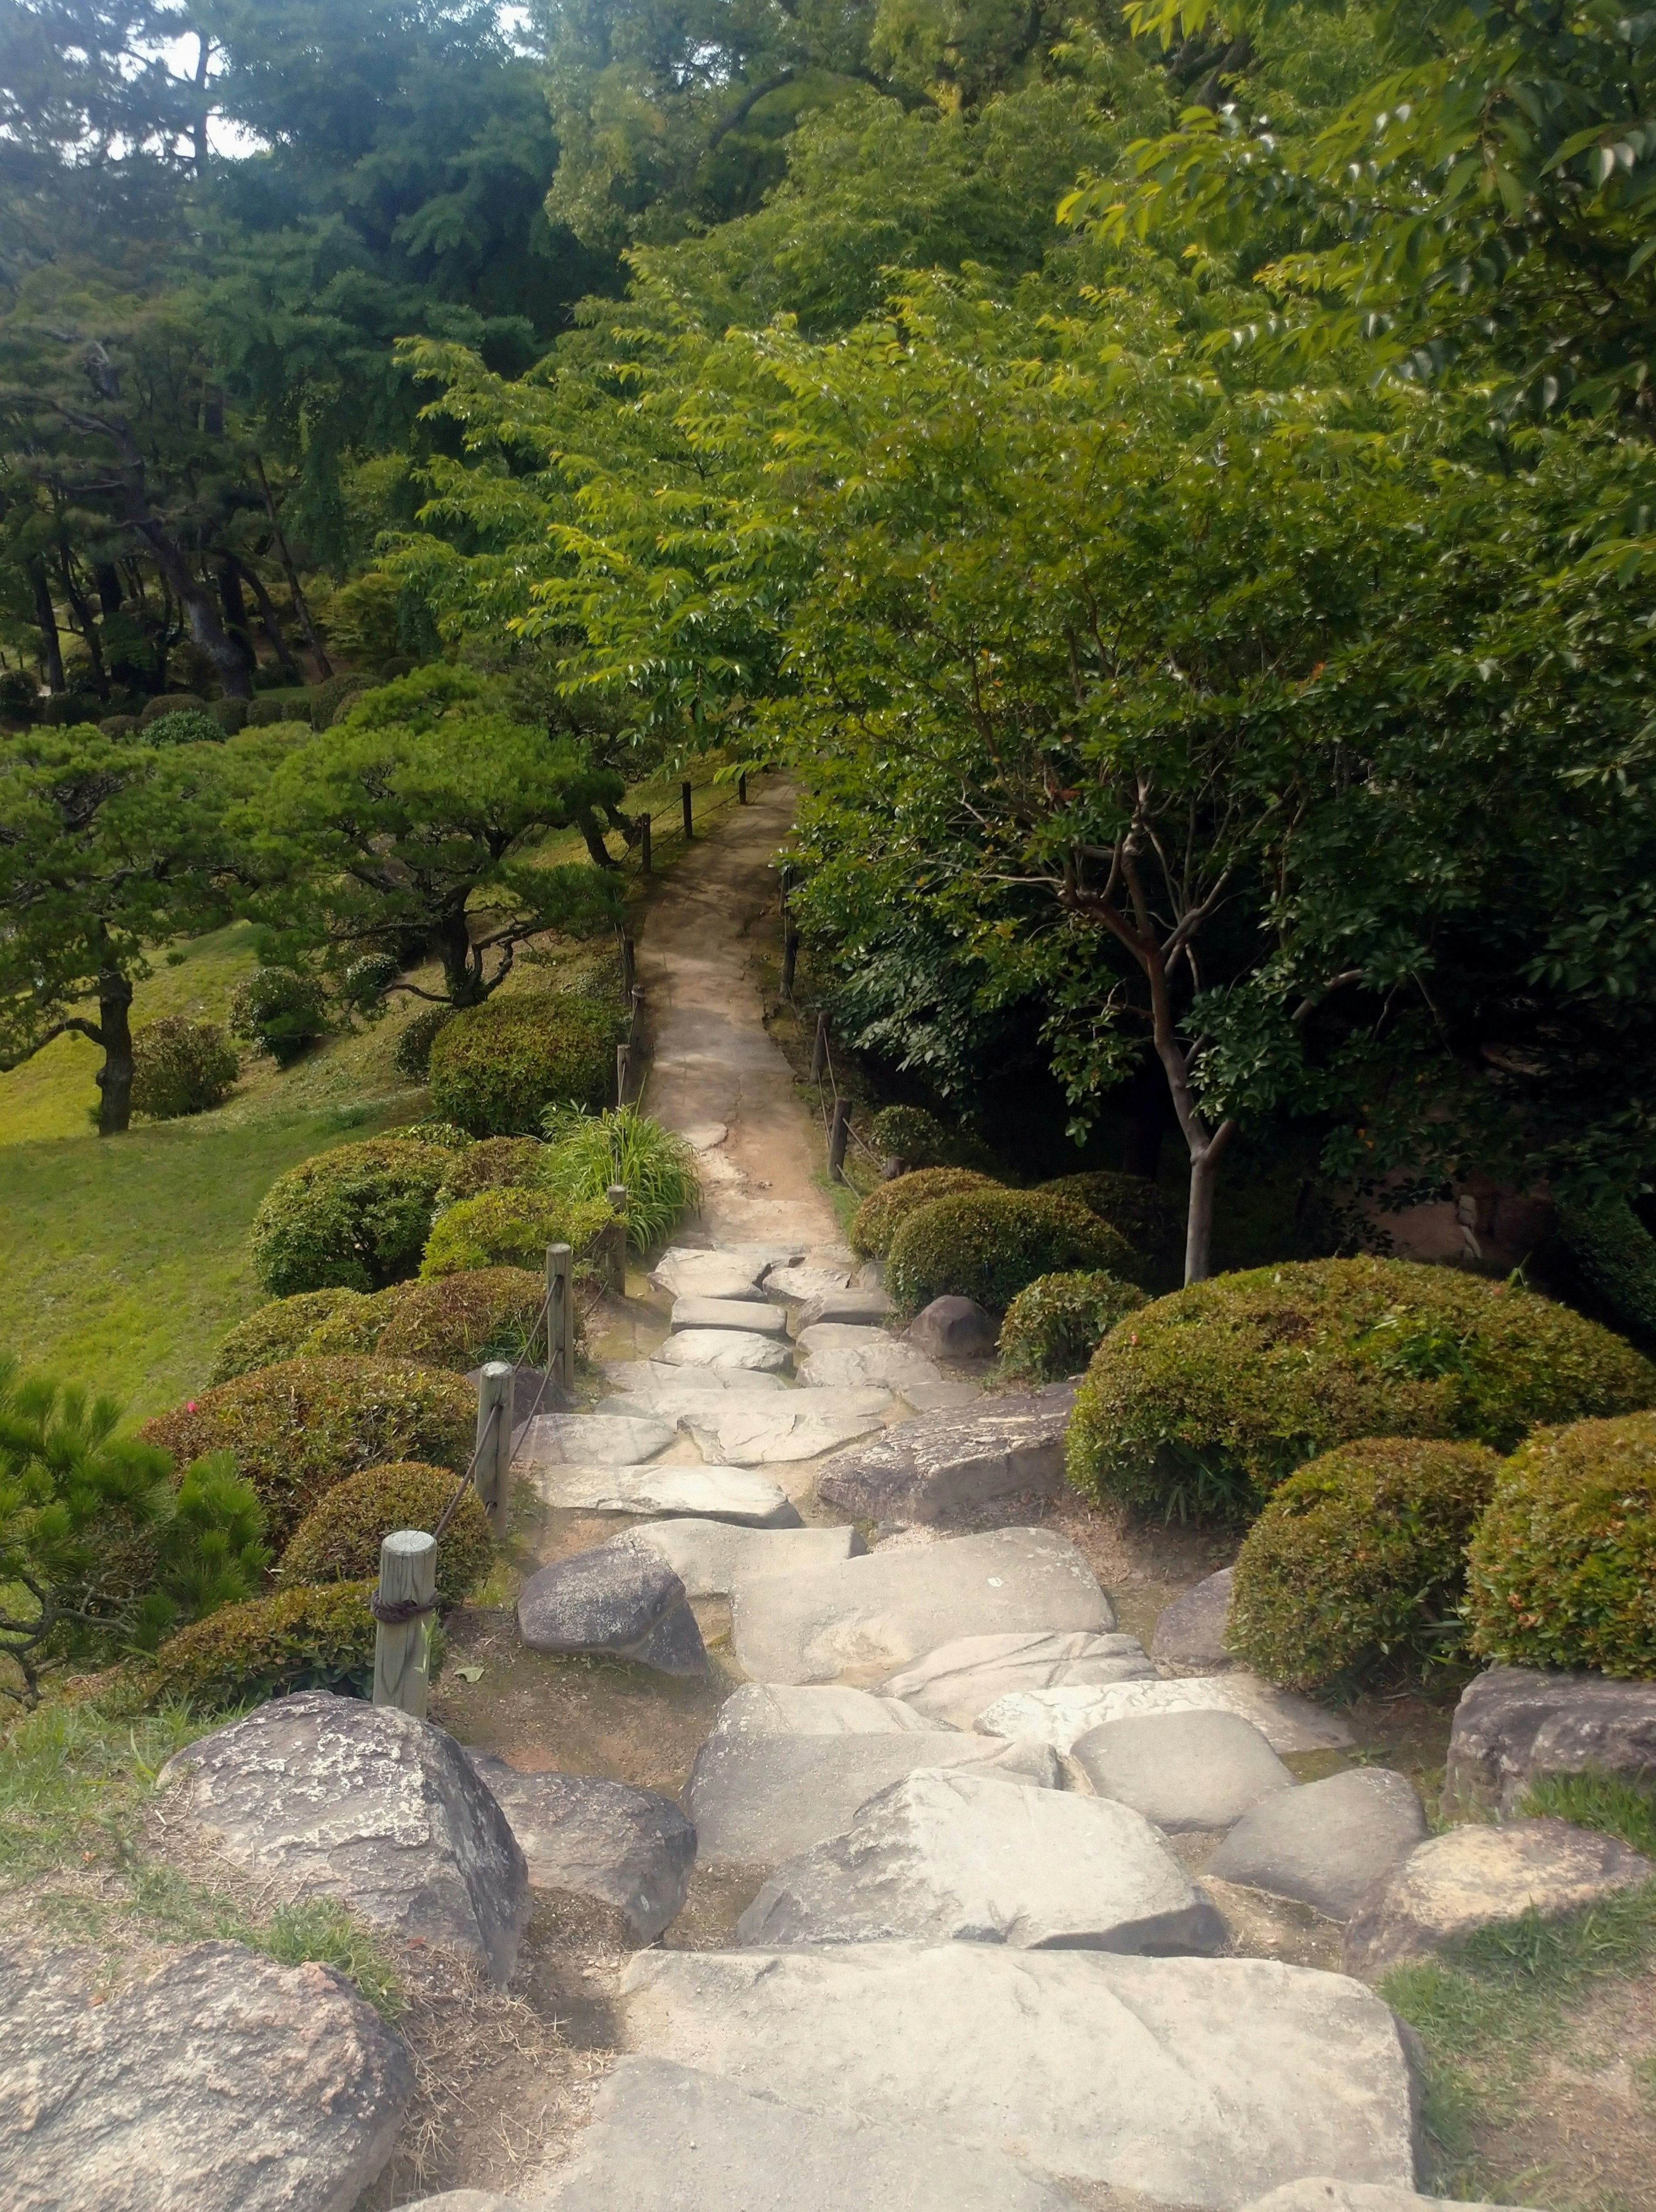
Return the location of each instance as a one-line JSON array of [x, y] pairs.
[[711, 1557], [944, 1463], [793, 1425], [591, 1440], [728, 1313], [629, 1848], [830, 1355], [682, 1271], [726, 1349], [962, 1678], [1062, 1717], [672, 1489]]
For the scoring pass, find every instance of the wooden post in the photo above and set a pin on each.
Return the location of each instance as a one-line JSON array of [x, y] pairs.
[[819, 1050], [644, 846], [402, 1649], [638, 1011], [684, 801], [623, 1071], [839, 1130], [790, 954], [560, 1318], [493, 1446], [741, 788], [617, 1194], [628, 956]]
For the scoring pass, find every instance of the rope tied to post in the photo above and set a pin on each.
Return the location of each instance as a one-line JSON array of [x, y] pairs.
[[396, 1612]]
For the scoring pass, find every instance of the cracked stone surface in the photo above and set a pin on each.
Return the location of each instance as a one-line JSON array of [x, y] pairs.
[[798, 1424], [962, 1678], [654, 1493], [727, 1349], [1060, 1716]]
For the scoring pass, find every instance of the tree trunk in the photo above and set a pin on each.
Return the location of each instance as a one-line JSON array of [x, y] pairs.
[[85, 624], [115, 1033], [235, 613], [228, 659], [272, 622], [462, 968], [301, 605], [51, 649], [1198, 1220], [107, 577]]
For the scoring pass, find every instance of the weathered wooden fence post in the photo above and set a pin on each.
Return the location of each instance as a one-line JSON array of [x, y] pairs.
[[644, 846], [838, 1131], [401, 1647], [560, 1318], [617, 1194], [623, 1071], [628, 960], [493, 1447], [790, 952], [684, 801], [742, 789], [819, 1049]]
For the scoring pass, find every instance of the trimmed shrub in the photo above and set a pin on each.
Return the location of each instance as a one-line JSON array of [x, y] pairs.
[[1359, 1561], [459, 1321], [1617, 1255], [412, 1052], [281, 1011], [1213, 1397], [119, 726], [275, 1332], [496, 1068], [356, 1217], [495, 1163], [991, 1244], [181, 1067], [353, 1331], [510, 1229], [299, 1427], [295, 708], [881, 1214], [429, 1133], [170, 703], [230, 715], [331, 700], [312, 1638], [1135, 1210], [338, 1541], [366, 981], [1562, 1568], [190, 725], [909, 1134], [1052, 1329]]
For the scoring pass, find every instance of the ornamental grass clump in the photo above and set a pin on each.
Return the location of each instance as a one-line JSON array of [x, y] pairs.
[[355, 1218], [1358, 1565], [496, 1068], [1563, 1566], [339, 1539], [314, 1637], [586, 1154], [276, 1331], [883, 1212], [1052, 1329], [990, 1245], [1209, 1399]]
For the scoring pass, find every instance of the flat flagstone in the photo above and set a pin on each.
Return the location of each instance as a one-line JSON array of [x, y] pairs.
[[1191, 2081], [794, 1425], [711, 1557], [867, 1618], [591, 1440], [817, 1709], [684, 1273], [715, 1493], [950, 1857], [857, 1305], [830, 1356], [727, 1348], [962, 1678], [945, 1464], [806, 1282], [759, 1320], [643, 1378], [1062, 1717]]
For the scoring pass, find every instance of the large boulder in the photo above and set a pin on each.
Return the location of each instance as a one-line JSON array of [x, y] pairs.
[[220, 2082], [1327, 1844], [950, 1856], [944, 1464], [1514, 1724], [629, 1848], [1452, 1885], [621, 1598], [795, 1425], [954, 1329], [832, 1356], [1061, 1716], [711, 1557], [962, 1678], [666, 2138], [1190, 2081], [672, 1488], [727, 1350], [1186, 1771], [1190, 1636], [867, 1618], [326, 1796]]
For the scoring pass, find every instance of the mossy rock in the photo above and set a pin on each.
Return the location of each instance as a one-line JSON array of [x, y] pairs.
[[1215, 1395], [355, 1218], [883, 1212], [495, 1069], [990, 1245], [339, 1539], [1357, 1564], [1563, 1566], [314, 1637], [276, 1331], [1052, 1329]]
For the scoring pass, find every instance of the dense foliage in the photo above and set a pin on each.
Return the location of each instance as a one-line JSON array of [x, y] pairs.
[[1052, 1329], [496, 1068], [587, 1154], [990, 1245], [355, 1218], [511, 1229], [312, 1637], [275, 1331], [180, 1066], [339, 1539], [883, 1212]]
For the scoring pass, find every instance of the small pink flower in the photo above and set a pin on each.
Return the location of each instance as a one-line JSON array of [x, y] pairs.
[[190, 1406]]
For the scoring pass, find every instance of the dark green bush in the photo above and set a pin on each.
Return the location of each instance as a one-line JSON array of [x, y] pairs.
[[190, 725], [511, 1229], [339, 1539], [330, 701], [496, 1068], [311, 1637], [1617, 1254], [119, 726], [1052, 1329], [909, 1134], [459, 1321], [877, 1220], [276, 1331], [230, 715], [494, 1164], [281, 1011], [1213, 1397], [180, 1068], [1137, 1212], [990, 1245], [171, 703], [1562, 1567], [356, 1217], [298, 1428], [294, 706], [1359, 1561], [413, 1052], [366, 981]]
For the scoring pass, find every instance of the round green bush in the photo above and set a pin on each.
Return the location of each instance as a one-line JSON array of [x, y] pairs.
[[276, 707], [353, 1331], [355, 1217], [990, 1245], [299, 1427], [1359, 1561], [495, 1163], [412, 1052], [339, 1539], [276, 1331], [120, 725], [1562, 1567], [280, 1011], [496, 1068], [909, 1134], [458, 1321], [883, 1212], [510, 1229], [1052, 1329], [190, 725], [335, 698], [166, 703], [180, 1068], [311, 1637], [1137, 1211], [1213, 1397]]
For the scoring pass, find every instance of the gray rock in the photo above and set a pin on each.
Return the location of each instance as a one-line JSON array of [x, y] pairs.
[[947, 1856], [711, 1557], [467, 2200], [795, 1425], [591, 1440], [958, 1681], [630, 1848], [683, 1273], [870, 1276], [666, 2138], [664, 1391], [674, 1487], [867, 1618], [1061, 1716], [326, 1796], [817, 1709], [1190, 1637], [945, 1464], [749, 1314], [1193, 2081], [1514, 1724], [1320, 2194], [954, 1329], [1452, 1885], [807, 1283], [221, 2082], [1186, 1772], [759, 1798], [831, 1356], [948, 1396], [621, 1598], [726, 1349], [851, 1309], [1327, 1844]]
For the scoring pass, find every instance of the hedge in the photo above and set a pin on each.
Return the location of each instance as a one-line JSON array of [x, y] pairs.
[[881, 1214], [1052, 1329], [459, 1321], [339, 1539], [496, 1164], [990, 1245], [311, 1637], [275, 1332], [510, 1229], [355, 1218], [495, 1069]]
